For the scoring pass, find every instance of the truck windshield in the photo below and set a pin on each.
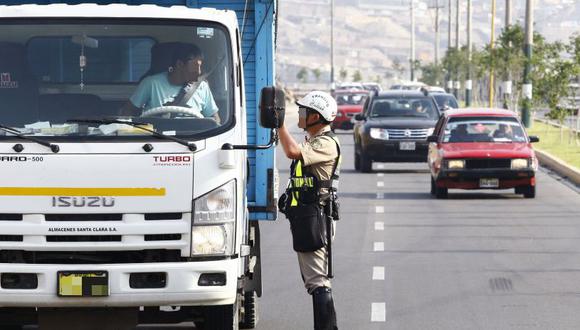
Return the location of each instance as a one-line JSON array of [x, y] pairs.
[[177, 78]]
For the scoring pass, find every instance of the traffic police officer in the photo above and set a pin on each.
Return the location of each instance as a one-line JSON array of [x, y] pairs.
[[314, 169]]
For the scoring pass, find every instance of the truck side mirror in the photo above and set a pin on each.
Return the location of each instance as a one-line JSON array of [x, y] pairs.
[[272, 107]]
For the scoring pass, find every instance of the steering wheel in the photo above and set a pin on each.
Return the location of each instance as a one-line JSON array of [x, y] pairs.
[[172, 109]]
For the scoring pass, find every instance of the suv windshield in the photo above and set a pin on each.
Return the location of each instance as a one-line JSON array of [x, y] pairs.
[[176, 78], [483, 129], [350, 98], [420, 107], [446, 101]]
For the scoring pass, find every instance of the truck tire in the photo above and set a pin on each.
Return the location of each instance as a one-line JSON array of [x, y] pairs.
[[249, 316], [366, 164], [224, 317]]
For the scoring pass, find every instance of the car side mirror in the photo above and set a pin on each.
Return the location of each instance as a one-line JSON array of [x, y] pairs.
[[433, 138], [272, 107], [359, 116], [534, 139]]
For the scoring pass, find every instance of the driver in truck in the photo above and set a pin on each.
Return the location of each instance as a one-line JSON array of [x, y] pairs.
[[178, 86]]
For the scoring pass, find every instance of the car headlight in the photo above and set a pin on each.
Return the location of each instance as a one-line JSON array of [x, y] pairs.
[[339, 114], [213, 225], [430, 131], [519, 163], [455, 164], [379, 134]]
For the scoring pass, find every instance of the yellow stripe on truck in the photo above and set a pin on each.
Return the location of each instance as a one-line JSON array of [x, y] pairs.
[[52, 191]]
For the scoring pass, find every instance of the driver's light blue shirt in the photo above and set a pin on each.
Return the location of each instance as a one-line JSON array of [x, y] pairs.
[[156, 90]]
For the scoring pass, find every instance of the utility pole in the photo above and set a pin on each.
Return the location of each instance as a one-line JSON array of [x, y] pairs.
[[492, 46], [449, 76], [457, 84], [527, 86], [507, 84], [412, 60], [468, 82], [332, 45], [437, 32]]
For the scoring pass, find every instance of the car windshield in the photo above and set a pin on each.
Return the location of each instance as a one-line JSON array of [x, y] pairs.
[[175, 78], [350, 98], [404, 107], [483, 129], [445, 101]]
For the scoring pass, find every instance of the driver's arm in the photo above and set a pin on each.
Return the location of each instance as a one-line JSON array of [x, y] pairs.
[[217, 119]]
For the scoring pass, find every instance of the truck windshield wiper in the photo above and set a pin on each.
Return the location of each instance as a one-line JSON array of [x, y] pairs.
[[53, 147], [190, 145]]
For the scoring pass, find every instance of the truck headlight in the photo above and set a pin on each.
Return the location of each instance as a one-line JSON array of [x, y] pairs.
[[456, 164], [520, 163], [379, 134], [214, 218]]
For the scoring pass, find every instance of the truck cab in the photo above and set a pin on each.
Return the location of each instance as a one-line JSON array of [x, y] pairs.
[[103, 209]]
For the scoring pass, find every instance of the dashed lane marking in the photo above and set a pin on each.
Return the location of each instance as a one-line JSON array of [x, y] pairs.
[[379, 312], [380, 175], [378, 273], [379, 246], [379, 225], [380, 184], [379, 209]]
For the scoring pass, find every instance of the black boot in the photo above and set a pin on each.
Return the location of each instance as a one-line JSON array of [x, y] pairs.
[[324, 313]]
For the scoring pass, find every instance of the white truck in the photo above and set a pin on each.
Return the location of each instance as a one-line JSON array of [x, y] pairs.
[[103, 211]]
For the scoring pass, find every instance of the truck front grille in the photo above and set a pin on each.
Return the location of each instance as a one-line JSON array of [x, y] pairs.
[[96, 257], [95, 237]]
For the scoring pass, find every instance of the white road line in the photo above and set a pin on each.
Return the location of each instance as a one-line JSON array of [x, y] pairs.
[[379, 209], [380, 195], [378, 273], [379, 312], [379, 246], [380, 175], [380, 226], [380, 184]]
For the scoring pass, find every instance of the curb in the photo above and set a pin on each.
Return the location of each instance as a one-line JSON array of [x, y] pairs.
[[559, 166]]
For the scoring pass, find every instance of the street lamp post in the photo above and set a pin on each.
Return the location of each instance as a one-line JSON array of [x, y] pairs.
[[527, 86]]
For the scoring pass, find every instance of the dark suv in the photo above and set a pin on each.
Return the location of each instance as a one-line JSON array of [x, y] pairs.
[[393, 127]]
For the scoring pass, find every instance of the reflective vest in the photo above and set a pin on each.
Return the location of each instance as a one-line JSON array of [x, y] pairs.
[[304, 187]]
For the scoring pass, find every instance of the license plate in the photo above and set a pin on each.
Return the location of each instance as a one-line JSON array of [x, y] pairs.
[[407, 146], [83, 284], [488, 183]]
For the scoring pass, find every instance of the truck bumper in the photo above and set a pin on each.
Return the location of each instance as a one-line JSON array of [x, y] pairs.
[[181, 288]]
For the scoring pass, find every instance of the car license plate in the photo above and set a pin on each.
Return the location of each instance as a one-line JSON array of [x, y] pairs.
[[488, 183], [83, 284], [407, 146]]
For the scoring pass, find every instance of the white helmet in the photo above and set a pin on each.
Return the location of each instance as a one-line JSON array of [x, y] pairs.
[[321, 102]]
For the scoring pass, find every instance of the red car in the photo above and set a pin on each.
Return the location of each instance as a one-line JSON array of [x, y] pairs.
[[481, 149], [350, 103]]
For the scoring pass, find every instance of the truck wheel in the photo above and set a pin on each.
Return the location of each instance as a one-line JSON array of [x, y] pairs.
[[529, 192], [224, 317], [249, 316], [366, 164]]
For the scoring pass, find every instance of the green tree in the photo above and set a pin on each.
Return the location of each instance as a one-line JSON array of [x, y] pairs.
[[357, 76], [302, 75], [316, 72], [432, 74]]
